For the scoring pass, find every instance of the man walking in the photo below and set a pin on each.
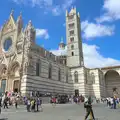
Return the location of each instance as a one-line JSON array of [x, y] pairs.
[[88, 106]]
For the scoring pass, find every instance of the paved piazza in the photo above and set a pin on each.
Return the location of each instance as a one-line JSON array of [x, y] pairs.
[[61, 112]]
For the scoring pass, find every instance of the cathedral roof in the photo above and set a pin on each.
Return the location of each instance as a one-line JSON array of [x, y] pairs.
[[110, 67], [60, 52]]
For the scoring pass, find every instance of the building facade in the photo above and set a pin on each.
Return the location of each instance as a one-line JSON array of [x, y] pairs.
[[26, 67]]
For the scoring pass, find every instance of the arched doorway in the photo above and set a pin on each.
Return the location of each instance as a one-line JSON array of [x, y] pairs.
[[14, 76], [3, 76], [112, 81]]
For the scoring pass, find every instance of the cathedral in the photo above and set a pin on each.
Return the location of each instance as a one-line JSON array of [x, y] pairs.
[[26, 67]]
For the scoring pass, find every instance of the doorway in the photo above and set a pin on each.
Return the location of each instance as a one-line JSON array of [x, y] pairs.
[[16, 86], [76, 92], [112, 80], [3, 85]]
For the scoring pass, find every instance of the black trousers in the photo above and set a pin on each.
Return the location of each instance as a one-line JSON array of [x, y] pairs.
[[28, 108], [16, 105], [5, 105], [88, 111], [37, 107], [0, 109]]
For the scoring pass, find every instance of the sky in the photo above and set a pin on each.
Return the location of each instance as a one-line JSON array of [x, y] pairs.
[[100, 26]]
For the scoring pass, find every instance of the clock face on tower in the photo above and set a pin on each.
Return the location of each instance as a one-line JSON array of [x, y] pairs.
[[7, 44]]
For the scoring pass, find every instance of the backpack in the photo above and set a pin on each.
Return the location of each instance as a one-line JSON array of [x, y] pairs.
[[28, 102], [32, 102], [85, 104]]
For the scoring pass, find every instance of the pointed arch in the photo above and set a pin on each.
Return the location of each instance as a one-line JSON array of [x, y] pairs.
[[112, 82], [14, 66], [3, 69]]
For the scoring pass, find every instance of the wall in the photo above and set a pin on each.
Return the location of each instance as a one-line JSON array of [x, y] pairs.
[[43, 83], [81, 79]]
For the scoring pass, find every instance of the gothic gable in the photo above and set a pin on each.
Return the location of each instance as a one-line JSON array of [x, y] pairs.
[[9, 25]]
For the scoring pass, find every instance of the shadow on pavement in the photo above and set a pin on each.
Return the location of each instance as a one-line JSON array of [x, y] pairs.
[[3, 118]]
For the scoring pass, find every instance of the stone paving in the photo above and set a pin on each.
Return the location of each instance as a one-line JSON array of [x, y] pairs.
[[61, 112]]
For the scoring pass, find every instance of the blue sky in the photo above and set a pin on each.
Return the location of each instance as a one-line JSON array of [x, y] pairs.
[[100, 24]]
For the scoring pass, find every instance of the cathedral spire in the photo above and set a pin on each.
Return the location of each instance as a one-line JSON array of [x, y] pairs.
[[30, 31], [62, 44], [19, 23], [19, 17], [12, 12]]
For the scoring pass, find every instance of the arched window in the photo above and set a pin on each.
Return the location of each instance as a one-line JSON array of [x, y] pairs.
[[93, 78], [50, 72], [76, 76], [59, 74], [67, 78], [38, 67], [72, 47], [72, 53]]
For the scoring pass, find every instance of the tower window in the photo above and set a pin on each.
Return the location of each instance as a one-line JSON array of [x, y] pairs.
[[72, 39], [71, 17], [76, 76], [71, 25], [37, 69], [71, 32], [72, 53], [72, 47]]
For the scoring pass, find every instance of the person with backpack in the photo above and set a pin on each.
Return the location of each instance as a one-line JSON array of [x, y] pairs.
[[33, 103], [88, 107]]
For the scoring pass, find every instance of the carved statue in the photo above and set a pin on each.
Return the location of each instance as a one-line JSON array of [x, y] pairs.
[[115, 92]]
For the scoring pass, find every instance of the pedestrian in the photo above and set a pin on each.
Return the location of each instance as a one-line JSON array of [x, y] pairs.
[[114, 103], [33, 105], [28, 105], [54, 101], [111, 102], [16, 103], [88, 106], [0, 104], [5, 103], [38, 103]]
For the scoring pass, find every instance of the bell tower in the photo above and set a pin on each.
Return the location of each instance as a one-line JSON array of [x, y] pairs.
[[74, 42]]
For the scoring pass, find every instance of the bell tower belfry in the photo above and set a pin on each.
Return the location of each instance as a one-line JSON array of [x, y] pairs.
[[74, 42]]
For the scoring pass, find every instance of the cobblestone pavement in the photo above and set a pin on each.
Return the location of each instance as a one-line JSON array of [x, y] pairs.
[[61, 112]]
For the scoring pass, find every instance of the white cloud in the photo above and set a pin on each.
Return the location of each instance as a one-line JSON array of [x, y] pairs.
[[67, 4], [48, 5], [92, 30], [112, 11], [104, 18], [60, 51], [57, 10], [34, 3], [92, 57], [42, 33]]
